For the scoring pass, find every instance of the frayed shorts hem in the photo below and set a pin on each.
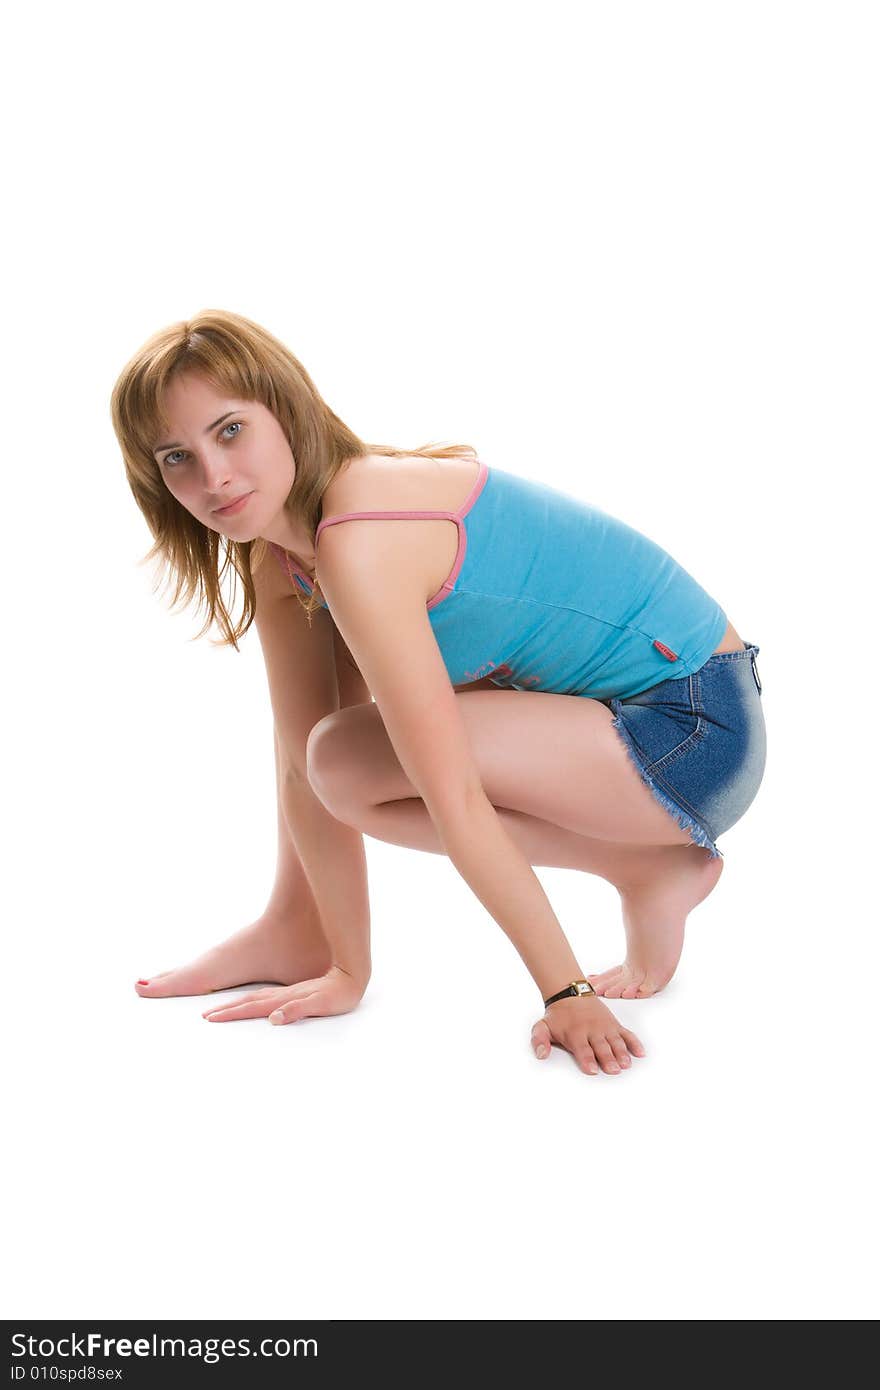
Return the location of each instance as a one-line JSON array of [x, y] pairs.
[[683, 818]]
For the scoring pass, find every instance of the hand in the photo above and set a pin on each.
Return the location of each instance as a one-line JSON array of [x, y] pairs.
[[335, 992], [589, 1031]]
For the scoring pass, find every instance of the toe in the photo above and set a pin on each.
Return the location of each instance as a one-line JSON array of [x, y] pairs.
[[633, 989], [148, 986], [605, 975], [151, 980], [601, 981], [157, 985], [616, 988], [653, 984], [187, 979], [174, 982]]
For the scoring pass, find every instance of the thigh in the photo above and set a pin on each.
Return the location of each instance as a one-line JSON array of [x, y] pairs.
[[556, 757]]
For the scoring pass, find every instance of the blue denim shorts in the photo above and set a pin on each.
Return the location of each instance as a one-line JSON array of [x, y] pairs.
[[699, 742]]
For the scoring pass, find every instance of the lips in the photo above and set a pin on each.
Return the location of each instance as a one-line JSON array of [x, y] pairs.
[[230, 506]]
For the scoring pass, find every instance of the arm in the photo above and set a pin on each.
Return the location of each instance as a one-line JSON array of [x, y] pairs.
[[506, 884], [334, 863], [291, 882], [304, 686], [387, 628]]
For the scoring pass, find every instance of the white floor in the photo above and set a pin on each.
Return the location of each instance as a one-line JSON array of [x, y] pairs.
[[413, 1159]]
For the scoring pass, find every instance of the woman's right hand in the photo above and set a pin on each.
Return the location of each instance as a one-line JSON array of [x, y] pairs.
[[335, 992]]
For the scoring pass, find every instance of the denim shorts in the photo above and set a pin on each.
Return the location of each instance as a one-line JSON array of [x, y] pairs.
[[699, 742]]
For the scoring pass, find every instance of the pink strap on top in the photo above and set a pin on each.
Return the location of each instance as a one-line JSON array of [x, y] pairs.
[[287, 563], [458, 517]]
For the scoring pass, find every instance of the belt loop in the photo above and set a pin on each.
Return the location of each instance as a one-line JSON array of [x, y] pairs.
[[755, 673]]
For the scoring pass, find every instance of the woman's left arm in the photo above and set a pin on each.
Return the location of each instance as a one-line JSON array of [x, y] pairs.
[[386, 627]]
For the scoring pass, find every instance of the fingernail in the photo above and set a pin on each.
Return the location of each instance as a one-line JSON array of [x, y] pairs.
[[277, 1017], [542, 1051], [143, 982]]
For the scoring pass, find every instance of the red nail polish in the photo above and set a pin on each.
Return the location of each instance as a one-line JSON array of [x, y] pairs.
[[143, 982]]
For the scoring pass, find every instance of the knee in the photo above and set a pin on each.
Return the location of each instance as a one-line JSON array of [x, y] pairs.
[[320, 754], [328, 769]]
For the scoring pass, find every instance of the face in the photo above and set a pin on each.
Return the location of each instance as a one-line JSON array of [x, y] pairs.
[[218, 450]]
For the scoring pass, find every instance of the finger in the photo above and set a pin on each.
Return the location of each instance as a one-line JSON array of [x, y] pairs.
[[254, 1008], [618, 1047], [632, 1042], [542, 1039], [295, 1009], [242, 999], [586, 1060], [605, 1056]]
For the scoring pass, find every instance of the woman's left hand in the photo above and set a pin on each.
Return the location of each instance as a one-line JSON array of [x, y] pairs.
[[590, 1032], [333, 993]]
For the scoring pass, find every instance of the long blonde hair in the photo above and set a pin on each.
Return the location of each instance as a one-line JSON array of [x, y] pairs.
[[243, 360]]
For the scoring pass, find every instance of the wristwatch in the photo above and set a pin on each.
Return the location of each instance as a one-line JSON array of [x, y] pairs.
[[575, 988]]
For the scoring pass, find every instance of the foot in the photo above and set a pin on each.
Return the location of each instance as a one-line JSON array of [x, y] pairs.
[[273, 949], [654, 914]]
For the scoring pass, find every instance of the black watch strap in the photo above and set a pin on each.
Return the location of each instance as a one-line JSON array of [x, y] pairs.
[[573, 990]]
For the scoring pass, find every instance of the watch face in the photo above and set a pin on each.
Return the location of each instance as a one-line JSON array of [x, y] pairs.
[[583, 987]]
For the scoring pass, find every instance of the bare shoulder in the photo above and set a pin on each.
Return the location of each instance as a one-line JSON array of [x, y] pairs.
[[408, 562], [375, 553], [412, 482], [423, 551]]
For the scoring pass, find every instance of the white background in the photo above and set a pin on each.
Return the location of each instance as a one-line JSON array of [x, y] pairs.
[[630, 250]]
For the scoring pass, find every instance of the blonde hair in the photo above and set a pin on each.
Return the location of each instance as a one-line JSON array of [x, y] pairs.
[[245, 361]]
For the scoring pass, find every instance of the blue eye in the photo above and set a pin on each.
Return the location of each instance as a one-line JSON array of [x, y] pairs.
[[233, 424]]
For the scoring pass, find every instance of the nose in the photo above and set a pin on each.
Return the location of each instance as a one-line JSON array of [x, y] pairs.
[[216, 475]]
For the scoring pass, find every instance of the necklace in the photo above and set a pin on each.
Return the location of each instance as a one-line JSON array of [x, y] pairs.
[[292, 579]]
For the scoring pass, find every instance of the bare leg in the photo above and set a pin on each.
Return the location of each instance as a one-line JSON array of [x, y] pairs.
[[658, 884]]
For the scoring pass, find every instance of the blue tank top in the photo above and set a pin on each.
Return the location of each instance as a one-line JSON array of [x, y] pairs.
[[551, 593]]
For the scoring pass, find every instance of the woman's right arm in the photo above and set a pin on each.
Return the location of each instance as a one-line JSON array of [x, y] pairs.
[[304, 686]]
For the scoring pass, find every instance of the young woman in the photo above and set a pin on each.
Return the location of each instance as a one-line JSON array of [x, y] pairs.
[[388, 647]]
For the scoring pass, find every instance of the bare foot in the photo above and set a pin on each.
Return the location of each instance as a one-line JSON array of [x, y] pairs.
[[654, 914], [273, 949]]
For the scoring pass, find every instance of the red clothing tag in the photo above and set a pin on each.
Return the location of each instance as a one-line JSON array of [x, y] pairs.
[[670, 655]]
